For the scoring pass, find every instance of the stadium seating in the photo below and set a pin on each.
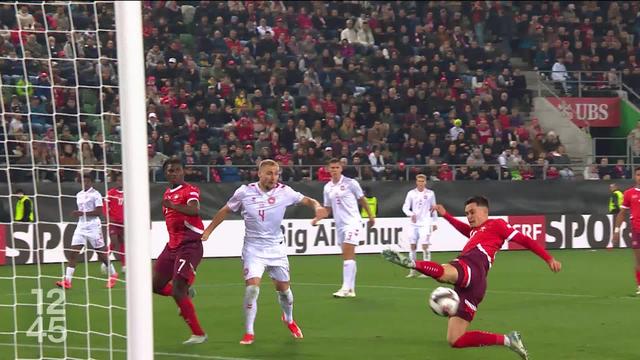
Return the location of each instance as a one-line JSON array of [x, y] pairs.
[[439, 80]]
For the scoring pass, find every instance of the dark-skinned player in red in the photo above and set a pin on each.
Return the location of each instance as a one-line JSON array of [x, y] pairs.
[[468, 272], [175, 269]]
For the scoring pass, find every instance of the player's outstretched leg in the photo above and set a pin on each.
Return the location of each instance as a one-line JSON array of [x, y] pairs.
[[429, 268], [514, 342], [398, 258]]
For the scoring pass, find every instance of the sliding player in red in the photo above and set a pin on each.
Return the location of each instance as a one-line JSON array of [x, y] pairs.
[[631, 200], [115, 212], [469, 271], [175, 268]]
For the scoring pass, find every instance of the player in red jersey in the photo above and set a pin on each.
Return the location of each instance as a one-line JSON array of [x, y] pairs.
[[468, 272], [631, 200], [115, 215], [175, 268]]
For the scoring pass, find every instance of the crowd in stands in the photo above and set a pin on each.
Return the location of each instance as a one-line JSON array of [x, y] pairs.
[[391, 88]]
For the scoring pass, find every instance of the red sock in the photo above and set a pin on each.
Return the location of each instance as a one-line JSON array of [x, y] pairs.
[[188, 312], [168, 289], [430, 268], [478, 338], [638, 277]]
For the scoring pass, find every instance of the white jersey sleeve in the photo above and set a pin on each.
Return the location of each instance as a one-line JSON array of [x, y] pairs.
[[357, 190], [291, 196], [235, 202], [434, 214], [97, 200], [406, 207], [326, 202]]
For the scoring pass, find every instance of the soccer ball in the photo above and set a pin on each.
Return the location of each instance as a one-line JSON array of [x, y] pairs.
[[444, 301]]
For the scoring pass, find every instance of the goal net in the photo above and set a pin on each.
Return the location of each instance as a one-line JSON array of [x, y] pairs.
[[60, 101]]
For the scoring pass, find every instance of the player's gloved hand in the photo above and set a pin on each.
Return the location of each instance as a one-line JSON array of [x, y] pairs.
[[554, 265]]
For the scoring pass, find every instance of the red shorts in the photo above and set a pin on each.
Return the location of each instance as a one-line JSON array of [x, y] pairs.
[[471, 286], [181, 261], [116, 230], [635, 239]]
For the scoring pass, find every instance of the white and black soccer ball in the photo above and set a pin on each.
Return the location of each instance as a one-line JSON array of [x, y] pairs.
[[444, 301]]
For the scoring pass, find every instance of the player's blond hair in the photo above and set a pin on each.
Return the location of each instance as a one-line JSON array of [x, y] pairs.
[[267, 162], [421, 176]]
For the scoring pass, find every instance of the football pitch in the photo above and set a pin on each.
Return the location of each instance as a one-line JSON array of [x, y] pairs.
[[585, 312]]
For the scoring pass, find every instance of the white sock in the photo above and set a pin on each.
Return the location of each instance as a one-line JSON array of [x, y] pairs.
[[285, 298], [112, 269], [353, 269], [507, 341], [426, 254], [348, 274], [413, 255], [250, 306], [69, 273]]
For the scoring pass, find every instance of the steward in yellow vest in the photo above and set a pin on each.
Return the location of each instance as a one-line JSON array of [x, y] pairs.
[[24, 208]]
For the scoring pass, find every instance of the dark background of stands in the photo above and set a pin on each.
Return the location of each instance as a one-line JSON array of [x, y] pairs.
[[506, 197]]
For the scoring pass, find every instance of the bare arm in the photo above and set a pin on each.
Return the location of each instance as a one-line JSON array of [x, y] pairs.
[[218, 218], [463, 228], [192, 208], [320, 212], [622, 215]]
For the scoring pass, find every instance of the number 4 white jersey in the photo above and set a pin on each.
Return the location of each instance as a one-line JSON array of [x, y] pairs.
[[419, 203], [263, 212], [343, 197]]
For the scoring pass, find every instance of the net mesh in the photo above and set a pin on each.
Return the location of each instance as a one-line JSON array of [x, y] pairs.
[[59, 96]]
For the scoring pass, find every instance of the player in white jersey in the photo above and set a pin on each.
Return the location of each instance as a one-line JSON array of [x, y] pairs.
[[262, 206], [341, 197], [418, 206], [89, 230]]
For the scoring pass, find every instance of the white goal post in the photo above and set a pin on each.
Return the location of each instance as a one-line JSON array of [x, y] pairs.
[[128, 15]]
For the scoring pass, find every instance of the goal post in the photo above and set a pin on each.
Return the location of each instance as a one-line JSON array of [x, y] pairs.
[[128, 16]]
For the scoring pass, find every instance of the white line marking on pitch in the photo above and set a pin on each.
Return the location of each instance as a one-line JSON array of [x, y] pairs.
[[157, 353], [390, 287]]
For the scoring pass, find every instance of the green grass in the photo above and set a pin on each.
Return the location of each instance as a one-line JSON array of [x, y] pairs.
[[585, 312]]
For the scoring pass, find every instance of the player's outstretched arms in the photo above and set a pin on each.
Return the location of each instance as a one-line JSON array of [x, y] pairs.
[[554, 265], [218, 218]]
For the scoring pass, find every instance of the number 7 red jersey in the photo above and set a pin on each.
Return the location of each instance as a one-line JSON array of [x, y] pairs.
[[182, 227]]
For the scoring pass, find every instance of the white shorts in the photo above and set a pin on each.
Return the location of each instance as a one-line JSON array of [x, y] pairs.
[[349, 234], [82, 236], [254, 266], [419, 235]]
